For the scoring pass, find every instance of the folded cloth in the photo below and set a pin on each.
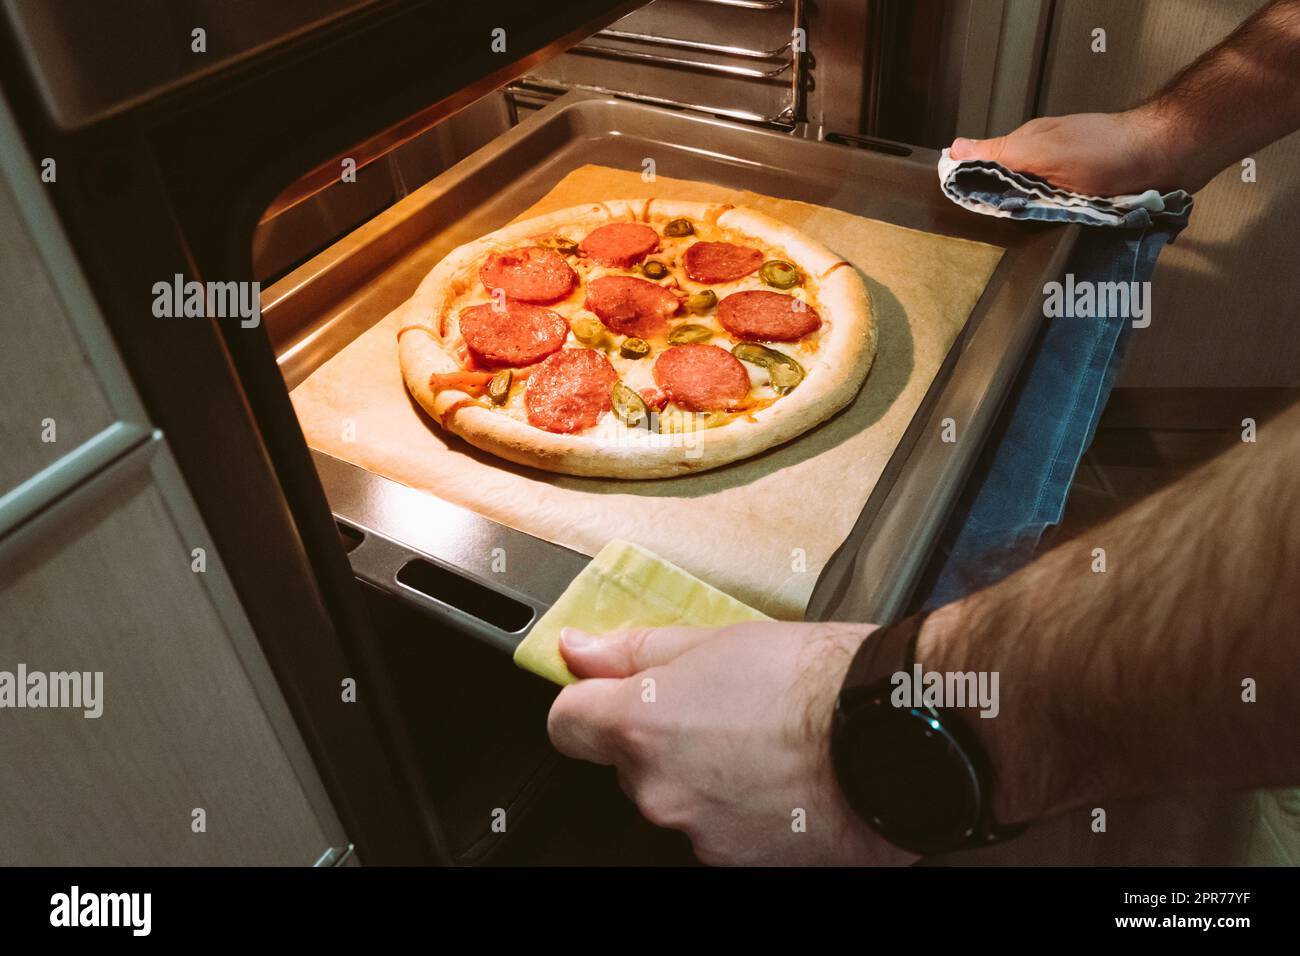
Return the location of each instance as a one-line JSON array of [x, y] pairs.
[[993, 190], [626, 586], [1021, 482]]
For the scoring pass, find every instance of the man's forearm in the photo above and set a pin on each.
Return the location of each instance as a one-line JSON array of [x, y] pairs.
[[1236, 98], [1130, 680]]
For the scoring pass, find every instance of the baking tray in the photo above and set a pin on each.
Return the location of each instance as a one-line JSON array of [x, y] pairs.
[[443, 559]]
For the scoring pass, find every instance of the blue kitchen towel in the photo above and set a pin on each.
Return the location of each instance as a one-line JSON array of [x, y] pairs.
[[993, 190], [1020, 483]]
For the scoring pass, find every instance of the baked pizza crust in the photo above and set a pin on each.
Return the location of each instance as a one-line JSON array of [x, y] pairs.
[[832, 379]]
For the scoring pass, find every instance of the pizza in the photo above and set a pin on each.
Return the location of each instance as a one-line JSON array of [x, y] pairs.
[[641, 338]]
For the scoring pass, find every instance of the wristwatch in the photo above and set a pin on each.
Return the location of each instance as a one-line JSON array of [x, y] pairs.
[[916, 774]]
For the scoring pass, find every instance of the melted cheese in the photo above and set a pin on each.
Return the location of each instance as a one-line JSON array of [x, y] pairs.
[[637, 374]]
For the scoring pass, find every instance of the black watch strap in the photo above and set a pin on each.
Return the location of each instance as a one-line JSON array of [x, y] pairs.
[[886, 651]]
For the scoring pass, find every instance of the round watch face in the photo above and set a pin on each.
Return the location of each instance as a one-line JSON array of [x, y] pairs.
[[910, 778]]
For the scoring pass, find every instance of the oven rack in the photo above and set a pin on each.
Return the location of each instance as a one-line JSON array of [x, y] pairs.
[[747, 4], [535, 94], [759, 63], [701, 45], [757, 73]]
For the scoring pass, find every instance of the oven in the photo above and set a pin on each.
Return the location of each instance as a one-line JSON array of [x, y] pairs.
[[225, 164]]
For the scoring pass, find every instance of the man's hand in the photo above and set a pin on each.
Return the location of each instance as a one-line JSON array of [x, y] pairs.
[[724, 735], [1096, 154]]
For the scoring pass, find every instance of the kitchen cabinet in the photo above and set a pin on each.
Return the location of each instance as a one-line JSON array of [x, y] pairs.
[[193, 757]]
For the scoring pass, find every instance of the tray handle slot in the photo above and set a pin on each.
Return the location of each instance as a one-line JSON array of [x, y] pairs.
[[465, 595], [349, 537]]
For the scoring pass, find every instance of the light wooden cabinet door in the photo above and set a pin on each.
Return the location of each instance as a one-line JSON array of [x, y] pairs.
[[189, 754], [184, 763], [53, 402]]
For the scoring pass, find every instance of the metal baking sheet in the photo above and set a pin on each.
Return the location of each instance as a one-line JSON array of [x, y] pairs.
[[319, 308]]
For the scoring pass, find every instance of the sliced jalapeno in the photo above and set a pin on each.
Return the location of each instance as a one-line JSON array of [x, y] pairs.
[[630, 407], [653, 269], [673, 421], [701, 302], [689, 334], [588, 331], [679, 227], [565, 247], [677, 421], [779, 274], [712, 418], [499, 386], [783, 370], [634, 348]]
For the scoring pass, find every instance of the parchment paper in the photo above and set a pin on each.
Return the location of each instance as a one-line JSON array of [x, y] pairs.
[[759, 529]]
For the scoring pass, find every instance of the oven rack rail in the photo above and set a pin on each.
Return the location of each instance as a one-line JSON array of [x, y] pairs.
[[788, 63]]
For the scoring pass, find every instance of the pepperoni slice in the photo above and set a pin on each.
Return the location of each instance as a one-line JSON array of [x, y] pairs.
[[620, 244], [570, 390], [767, 316], [631, 306], [520, 334], [531, 274], [721, 261], [701, 377]]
